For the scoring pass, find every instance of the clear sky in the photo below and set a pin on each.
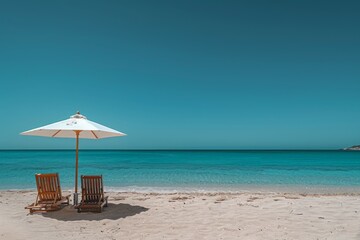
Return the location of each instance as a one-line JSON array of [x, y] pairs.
[[183, 74]]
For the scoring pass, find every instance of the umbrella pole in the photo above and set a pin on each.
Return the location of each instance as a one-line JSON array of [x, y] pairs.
[[76, 168], [77, 161]]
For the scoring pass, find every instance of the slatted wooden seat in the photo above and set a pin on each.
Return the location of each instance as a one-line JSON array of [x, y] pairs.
[[92, 191], [49, 197]]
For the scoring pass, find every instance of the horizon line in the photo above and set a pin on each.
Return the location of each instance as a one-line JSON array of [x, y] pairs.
[[183, 149]]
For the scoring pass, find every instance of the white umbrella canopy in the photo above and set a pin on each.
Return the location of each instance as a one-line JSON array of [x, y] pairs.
[[77, 126], [68, 128]]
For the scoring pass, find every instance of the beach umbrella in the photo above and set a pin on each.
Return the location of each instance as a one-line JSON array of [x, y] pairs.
[[77, 126]]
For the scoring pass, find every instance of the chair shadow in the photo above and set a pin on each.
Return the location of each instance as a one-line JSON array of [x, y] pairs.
[[112, 212]]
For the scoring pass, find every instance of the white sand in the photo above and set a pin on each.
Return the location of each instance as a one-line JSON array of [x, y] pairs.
[[189, 216]]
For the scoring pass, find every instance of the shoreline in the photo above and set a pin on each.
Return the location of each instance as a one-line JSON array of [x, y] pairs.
[[198, 194], [291, 189]]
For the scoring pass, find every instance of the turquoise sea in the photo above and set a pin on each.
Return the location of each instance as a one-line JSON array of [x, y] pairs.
[[169, 171]]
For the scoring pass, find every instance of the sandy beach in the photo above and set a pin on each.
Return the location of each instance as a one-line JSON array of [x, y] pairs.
[[189, 216]]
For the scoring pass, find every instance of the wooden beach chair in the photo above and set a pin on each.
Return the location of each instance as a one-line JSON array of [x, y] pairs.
[[49, 196], [92, 191]]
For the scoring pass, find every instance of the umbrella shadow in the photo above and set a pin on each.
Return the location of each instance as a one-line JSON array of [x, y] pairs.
[[112, 212]]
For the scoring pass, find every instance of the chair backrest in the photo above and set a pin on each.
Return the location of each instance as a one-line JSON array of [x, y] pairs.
[[48, 186], [92, 188]]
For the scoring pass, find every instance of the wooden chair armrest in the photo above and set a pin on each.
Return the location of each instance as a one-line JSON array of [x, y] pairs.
[[37, 199]]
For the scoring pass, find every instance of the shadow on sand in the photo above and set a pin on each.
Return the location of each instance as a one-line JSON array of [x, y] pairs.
[[112, 212]]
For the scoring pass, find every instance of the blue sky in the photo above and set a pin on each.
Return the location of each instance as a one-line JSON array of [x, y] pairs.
[[183, 74]]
